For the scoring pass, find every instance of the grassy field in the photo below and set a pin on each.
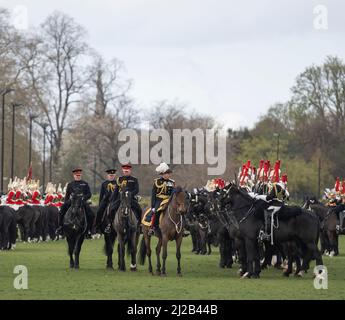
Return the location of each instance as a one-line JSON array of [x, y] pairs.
[[50, 277]]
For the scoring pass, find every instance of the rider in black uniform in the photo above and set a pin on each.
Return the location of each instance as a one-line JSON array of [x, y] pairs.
[[125, 183], [76, 185], [107, 188]]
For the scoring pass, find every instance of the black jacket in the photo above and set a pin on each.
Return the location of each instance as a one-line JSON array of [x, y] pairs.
[[78, 185], [107, 188], [125, 183]]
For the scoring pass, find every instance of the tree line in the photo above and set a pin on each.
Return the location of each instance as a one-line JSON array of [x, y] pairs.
[[85, 101]]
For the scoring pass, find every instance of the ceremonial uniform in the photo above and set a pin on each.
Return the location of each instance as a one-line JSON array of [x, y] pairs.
[[72, 187], [126, 183], [107, 189], [161, 191]]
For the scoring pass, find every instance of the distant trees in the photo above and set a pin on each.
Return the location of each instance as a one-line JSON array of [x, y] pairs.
[[311, 127], [87, 101]]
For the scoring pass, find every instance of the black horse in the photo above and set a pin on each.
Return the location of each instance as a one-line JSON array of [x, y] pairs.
[[75, 227], [328, 225], [295, 224], [109, 238], [27, 219], [8, 230], [126, 227]]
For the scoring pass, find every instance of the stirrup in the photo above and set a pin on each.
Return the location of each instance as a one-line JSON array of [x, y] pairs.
[[263, 235], [107, 229], [58, 231]]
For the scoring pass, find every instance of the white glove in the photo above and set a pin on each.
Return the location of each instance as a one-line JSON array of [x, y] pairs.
[[153, 210]]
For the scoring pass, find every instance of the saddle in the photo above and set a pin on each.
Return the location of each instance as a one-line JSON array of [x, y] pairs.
[[276, 212], [147, 218]]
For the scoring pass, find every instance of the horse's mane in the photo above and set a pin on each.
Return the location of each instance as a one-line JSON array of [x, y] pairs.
[[242, 192], [178, 189]]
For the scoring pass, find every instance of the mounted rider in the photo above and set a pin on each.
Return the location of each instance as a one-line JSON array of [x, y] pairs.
[[272, 191], [124, 183], [107, 188], [162, 189], [337, 201], [77, 185]]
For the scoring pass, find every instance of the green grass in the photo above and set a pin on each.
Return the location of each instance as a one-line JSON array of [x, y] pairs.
[[50, 277]]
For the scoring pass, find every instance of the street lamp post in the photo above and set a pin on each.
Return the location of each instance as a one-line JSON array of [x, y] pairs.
[[3, 93], [32, 117], [14, 106], [44, 127], [51, 155]]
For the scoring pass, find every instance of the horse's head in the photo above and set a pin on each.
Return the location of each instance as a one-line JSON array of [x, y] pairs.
[[180, 200], [234, 196], [125, 200], [77, 198]]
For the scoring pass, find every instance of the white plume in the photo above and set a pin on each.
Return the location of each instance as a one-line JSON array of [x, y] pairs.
[[163, 167]]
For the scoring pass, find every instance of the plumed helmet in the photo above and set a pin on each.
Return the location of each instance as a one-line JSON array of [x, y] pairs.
[[163, 168]]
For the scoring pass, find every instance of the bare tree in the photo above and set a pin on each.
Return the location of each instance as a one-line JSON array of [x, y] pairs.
[[53, 71]]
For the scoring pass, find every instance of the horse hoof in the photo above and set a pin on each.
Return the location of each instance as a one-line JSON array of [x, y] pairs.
[[246, 276], [256, 276], [110, 268], [240, 272], [300, 274], [134, 269]]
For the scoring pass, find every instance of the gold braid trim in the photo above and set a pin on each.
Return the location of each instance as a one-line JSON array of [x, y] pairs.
[[162, 188]]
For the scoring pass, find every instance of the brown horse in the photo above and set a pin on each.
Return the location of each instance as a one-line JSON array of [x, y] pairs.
[[171, 228]]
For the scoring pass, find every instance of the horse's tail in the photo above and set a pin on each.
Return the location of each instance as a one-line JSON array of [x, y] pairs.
[[142, 251]]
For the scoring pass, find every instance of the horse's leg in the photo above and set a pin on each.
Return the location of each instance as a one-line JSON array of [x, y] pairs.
[[147, 240], [242, 257], [322, 242], [306, 259], [317, 255], [133, 240], [158, 254], [290, 255], [267, 255], [178, 254], [121, 250], [165, 253], [77, 250], [109, 248], [222, 248], [194, 240], [209, 251], [71, 244], [250, 249], [332, 241], [336, 248], [228, 253]]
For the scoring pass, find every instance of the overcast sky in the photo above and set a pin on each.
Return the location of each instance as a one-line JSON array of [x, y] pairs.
[[230, 59]]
